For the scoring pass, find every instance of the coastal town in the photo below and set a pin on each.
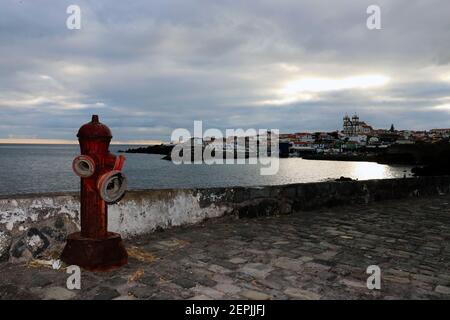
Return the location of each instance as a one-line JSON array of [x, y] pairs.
[[358, 136], [356, 141]]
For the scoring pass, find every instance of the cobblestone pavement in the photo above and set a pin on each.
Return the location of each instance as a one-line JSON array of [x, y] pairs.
[[322, 254]]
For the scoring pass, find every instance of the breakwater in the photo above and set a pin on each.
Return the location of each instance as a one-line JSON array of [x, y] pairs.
[[35, 225]]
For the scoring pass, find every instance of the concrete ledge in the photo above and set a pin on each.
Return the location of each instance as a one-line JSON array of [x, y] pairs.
[[35, 225]]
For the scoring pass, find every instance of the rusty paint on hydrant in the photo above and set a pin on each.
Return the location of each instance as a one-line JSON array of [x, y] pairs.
[[102, 183]]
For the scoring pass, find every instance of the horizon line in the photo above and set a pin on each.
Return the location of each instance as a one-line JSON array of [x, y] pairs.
[[74, 142]]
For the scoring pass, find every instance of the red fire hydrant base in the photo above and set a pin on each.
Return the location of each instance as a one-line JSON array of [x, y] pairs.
[[95, 254]]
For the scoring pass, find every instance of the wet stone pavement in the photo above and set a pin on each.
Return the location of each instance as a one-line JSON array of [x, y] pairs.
[[321, 254]]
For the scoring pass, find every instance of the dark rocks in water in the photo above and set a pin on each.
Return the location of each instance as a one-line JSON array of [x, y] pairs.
[[399, 158], [418, 154], [404, 154], [431, 170], [164, 149], [340, 157], [342, 178], [209, 156], [438, 163]]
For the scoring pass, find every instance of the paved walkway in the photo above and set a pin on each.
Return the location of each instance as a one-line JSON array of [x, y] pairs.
[[321, 254]]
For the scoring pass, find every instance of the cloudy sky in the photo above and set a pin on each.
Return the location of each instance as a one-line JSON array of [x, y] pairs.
[[148, 67]]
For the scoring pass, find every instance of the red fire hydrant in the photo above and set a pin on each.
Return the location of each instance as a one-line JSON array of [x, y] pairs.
[[102, 183]]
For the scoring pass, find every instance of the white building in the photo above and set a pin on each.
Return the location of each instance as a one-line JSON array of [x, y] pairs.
[[353, 126], [359, 139]]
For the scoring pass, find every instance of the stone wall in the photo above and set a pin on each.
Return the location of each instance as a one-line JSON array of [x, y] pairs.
[[33, 226]]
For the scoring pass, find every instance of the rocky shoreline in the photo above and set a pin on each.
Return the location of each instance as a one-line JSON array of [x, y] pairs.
[[428, 159], [163, 149]]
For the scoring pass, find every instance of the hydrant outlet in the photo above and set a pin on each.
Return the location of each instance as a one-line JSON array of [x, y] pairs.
[[83, 166]]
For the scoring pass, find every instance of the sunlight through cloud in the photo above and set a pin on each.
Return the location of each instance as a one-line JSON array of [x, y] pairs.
[[307, 89], [326, 84]]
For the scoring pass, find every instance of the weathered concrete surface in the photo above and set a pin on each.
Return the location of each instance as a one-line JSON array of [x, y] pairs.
[[319, 254], [32, 226]]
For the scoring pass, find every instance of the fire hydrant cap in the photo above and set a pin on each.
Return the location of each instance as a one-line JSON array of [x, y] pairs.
[[94, 129]]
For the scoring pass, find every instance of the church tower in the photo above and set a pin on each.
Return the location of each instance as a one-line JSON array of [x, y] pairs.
[[347, 125], [355, 124]]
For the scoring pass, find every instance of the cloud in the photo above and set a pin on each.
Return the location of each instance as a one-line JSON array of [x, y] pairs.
[[149, 67]]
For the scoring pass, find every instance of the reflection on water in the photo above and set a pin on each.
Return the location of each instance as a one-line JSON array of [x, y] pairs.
[[371, 170], [295, 170], [44, 168]]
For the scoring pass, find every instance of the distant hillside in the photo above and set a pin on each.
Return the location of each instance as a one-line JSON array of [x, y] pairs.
[[163, 149]]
